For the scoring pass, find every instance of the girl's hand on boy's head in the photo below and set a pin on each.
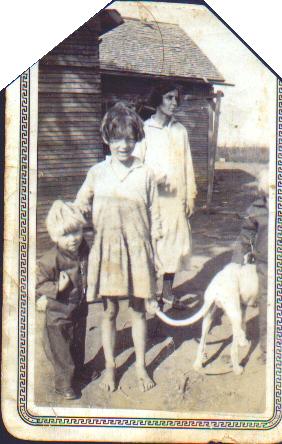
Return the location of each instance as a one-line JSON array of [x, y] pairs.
[[151, 306], [64, 280], [83, 207], [41, 303]]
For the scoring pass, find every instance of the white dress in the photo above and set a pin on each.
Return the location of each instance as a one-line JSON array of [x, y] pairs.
[[126, 222], [166, 150]]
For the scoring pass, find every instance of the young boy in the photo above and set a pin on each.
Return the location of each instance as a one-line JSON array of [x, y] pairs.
[[61, 281], [254, 236]]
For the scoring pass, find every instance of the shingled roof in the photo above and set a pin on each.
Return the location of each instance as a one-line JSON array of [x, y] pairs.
[[161, 49]]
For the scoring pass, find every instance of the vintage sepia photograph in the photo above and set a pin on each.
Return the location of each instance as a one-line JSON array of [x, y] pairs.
[[150, 137]]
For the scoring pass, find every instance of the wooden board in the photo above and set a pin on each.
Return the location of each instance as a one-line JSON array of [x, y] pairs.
[[69, 104]]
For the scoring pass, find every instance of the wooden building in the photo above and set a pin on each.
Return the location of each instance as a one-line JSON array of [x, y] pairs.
[[105, 60], [69, 115], [135, 55]]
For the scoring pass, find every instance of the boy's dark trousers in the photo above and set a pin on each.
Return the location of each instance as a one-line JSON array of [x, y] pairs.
[[64, 340], [262, 275]]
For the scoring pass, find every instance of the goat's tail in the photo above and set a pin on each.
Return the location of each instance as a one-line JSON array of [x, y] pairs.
[[188, 321]]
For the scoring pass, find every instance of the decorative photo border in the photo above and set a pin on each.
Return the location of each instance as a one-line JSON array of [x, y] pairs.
[[23, 315]]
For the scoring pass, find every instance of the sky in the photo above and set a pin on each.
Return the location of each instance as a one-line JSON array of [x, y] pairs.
[[248, 111]]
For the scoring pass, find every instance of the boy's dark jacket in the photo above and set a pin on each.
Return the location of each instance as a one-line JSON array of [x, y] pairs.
[[52, 263], [254, 232]]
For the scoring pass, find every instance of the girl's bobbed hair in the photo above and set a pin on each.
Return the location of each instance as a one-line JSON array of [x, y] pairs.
[[120, 122], [63, 218], [157, 93]]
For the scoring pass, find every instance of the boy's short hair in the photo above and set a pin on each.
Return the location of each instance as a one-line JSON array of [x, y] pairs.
[[263, 181], [120, 122], [157, 93], [62, 218]]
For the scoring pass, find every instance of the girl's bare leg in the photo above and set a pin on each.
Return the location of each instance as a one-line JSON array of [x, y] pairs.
[[108, 329], [139, 339]]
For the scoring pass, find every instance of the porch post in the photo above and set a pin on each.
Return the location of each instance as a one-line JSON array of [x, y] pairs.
[[213, 136]]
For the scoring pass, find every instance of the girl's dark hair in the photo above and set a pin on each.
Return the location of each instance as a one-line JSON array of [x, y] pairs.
[[156, 96], [120, 122]]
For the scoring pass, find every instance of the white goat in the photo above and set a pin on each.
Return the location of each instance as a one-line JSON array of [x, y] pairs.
[[232, 286]]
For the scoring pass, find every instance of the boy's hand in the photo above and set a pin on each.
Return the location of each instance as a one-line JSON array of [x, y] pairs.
[[63, 280], [151, 306], [41, 303]]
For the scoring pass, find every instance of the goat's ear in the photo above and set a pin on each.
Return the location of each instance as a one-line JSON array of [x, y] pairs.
[[248, 258]]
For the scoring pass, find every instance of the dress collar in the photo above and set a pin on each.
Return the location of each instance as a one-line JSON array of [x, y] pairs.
[[153, 123], [123, 173]]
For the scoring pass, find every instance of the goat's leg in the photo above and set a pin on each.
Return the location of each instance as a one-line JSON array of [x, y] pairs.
[[201, 349], [243, 311], [239, 338], [244, 325]]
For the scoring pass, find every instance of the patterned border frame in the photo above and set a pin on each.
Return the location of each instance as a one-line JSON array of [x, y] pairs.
[[131, 422]]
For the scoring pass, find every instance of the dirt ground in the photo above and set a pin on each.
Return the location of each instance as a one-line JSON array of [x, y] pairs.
[[171, 351]]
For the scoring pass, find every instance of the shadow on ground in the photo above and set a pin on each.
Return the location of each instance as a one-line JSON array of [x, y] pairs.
[[171, 351]]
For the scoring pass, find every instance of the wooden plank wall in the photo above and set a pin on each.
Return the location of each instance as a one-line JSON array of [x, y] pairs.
[[193, 114], [69, 104]]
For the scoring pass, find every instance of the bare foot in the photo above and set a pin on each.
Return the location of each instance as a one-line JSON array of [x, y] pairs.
[[108, 383], [238, 369], [197, 366], [145, 383]]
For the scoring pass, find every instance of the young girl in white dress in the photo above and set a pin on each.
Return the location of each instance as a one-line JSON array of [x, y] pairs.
[[166, 151], [126, 224]]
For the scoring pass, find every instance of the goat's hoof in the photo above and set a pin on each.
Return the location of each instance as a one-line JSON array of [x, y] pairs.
[[197, 366], [238, 370]]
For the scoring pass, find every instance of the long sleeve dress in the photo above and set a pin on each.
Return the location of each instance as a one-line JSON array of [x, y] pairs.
[[166, 150], [126, 224]]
